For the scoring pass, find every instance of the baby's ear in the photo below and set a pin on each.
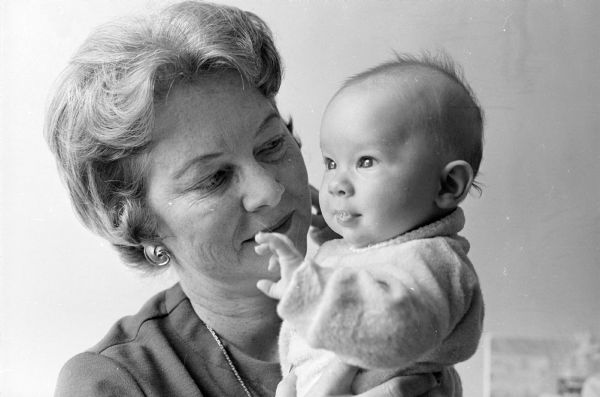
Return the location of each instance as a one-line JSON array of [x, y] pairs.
[[455, 182]]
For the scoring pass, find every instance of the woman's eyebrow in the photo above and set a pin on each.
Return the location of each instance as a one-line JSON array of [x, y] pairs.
[[270, 116], [194, 161]]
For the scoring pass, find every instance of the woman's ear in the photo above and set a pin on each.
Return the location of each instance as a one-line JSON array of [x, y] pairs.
[[455, 182]]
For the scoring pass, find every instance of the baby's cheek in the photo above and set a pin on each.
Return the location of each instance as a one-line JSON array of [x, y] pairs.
[[324, 204], [333, 225]]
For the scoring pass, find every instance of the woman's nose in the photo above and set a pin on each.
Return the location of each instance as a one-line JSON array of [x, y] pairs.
[[340, 185], [260, 189]]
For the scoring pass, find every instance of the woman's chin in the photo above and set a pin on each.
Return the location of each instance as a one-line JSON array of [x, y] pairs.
[[254, 265]]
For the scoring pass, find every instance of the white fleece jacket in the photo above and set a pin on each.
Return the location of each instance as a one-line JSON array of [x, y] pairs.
[[409, 305]]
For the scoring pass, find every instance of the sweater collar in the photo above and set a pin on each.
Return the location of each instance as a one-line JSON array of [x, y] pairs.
[[449, 225]]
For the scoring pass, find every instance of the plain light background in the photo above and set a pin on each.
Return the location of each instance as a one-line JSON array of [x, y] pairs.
[[535, 231]]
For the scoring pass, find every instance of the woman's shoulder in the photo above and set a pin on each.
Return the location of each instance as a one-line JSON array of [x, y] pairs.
[[155, 316], [136, 350], [93, 374]]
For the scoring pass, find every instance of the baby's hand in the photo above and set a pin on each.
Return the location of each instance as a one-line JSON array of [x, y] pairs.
[[283, 255]]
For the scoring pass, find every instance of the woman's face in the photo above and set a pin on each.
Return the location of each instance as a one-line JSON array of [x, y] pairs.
[[224, 167]]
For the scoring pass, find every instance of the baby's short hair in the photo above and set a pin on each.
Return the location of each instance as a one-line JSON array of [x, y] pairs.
[[457, 123]]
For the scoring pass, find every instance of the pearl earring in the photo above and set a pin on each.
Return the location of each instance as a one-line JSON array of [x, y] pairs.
[[157, 255]]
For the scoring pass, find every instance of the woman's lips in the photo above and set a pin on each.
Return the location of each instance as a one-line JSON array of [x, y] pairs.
[[282, 226]]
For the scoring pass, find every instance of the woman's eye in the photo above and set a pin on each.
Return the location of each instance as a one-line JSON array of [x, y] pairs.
[[366, 162], [329, 164], [213, 181], [272, 149]]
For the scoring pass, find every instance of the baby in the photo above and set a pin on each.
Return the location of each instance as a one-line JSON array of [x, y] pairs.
[[402, 143]]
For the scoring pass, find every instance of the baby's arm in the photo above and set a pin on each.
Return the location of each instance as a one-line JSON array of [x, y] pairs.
[[390, 310], [283, 255]]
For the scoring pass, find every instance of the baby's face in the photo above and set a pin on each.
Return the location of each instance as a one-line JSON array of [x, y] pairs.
[[381, 174]]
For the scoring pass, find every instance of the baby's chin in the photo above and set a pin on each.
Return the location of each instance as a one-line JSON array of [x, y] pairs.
[[364, 240], [361, 237], [358, 241]]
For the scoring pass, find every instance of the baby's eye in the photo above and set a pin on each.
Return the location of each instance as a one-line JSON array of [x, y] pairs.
[[329, 164], [366, 162]]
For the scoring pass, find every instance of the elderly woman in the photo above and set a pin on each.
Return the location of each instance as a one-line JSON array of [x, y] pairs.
[[168, 138]]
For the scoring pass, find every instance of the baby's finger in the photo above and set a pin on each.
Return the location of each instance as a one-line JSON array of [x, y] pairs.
[[262, 237], [267, 287], [262, 249], [336, 380], [281, 244], [287, 387], [403, 386], [274, 264]]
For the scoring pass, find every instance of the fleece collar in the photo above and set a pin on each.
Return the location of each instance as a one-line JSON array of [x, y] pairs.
[[449, 225]]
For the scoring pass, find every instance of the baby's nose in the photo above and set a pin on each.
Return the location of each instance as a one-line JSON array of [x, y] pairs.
[[340, 186]]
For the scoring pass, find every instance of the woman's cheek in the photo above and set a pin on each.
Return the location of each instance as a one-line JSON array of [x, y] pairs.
[[295, 163], [212, 220], [213, 256], [293, 175]]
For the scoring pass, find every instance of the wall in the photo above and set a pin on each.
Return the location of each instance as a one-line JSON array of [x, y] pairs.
[[535, 231]]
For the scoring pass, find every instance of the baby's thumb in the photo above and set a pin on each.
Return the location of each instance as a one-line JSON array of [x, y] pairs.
[[287, 387], [267, 287]]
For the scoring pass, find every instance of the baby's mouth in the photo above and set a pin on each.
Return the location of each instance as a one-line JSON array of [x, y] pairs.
[[344, 216]]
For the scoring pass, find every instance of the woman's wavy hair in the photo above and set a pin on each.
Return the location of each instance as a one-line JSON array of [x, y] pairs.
[[100, 118]]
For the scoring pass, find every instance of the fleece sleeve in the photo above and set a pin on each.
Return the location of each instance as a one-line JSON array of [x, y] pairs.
[[94, 375], [387, 309]]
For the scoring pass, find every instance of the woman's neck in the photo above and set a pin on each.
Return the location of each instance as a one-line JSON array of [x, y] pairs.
[[250, 323]]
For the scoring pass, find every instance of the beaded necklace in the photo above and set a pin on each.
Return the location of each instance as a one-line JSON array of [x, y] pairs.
[[228, 359]]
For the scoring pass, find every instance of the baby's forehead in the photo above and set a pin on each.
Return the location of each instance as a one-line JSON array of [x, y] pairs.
[[424, 92]]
